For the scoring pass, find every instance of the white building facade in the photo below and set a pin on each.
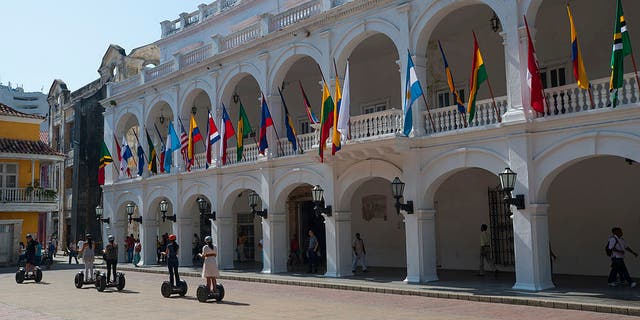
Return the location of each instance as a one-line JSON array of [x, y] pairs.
[[576, 164]]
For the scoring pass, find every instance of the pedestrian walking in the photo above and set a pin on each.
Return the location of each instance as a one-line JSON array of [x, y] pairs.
[[242, 240], [359, 253], [312, 251], [616, 248], [137, 248], [485, 250], [73, 251], [210, 266]]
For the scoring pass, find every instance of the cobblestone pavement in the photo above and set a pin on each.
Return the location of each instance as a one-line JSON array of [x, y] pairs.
[[57, 298]]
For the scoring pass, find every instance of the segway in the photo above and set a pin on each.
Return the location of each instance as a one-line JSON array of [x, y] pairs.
[[22, 275], [101, 281], [203, 293], [167, 290], [79, 279]]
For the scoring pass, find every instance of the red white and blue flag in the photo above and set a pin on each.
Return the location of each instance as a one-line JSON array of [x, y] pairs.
[[265, 122], [214, 136], [227, 132]]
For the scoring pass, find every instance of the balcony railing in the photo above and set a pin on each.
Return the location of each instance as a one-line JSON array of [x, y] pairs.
[[27, 195], [249, 154], [195, 56], [241, 37], [126, 84], [158, 71], [295, 15], [376, 124], [448, 118]]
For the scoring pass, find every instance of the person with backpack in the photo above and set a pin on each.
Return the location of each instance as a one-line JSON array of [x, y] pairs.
[[616, 248], [172, 260], [111, 257]]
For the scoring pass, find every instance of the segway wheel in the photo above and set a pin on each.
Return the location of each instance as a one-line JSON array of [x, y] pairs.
[[183, 287], [20, 275], [101, 282], [202, 293], [79, 280], [38, 276], [220, 292], [121, 281], [165, 289]]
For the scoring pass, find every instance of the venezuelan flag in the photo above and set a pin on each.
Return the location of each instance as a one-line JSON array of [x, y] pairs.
[[579, 71], [326, 119], [478, 76]]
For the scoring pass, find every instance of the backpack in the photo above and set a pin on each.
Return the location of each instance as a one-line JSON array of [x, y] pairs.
[[608, 251]]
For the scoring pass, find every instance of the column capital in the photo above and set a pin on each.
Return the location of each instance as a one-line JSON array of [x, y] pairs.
[[276, 217], [425, 214], [341, 216]]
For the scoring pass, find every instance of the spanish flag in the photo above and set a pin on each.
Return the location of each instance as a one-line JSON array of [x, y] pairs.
[[326, 119], [576, 55], [478, 76]]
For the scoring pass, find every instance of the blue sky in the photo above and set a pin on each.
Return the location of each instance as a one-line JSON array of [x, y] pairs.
[[46, 40]]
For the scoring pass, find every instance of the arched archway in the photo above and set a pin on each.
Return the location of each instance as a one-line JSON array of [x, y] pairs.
[[127, 134], [247, 228], [156, 230], [200, 225]]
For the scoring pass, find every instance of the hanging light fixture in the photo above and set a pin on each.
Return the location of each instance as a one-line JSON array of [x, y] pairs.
[[507, 183], [317, 193], [397, 190], [253, 202]]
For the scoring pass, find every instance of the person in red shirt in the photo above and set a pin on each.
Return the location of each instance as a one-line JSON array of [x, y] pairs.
[[294, 253]]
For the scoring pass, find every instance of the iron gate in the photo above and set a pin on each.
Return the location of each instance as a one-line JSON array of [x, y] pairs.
[[501, 228]]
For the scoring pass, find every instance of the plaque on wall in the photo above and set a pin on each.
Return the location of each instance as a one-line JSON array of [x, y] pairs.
[[374, 207]]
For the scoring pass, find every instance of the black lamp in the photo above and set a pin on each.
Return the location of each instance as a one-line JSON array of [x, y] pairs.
[[164, 205], [194, 109], [99, 213], [397, 190], [130, 208], [236, 97], [253, 202], [204, 207], [162, 118], [495, 23], [318, 197], [507, 182]]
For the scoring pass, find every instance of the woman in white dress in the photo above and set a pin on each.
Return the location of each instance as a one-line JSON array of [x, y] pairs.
[[210, 266]]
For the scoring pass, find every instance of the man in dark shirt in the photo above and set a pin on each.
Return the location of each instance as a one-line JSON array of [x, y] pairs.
[[30, 253], [172, 260], [111, 257]]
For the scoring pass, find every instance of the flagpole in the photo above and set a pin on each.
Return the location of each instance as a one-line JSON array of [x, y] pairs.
[[493, 100], [593, 105], [635, 69], [433, 126], [274, 127]]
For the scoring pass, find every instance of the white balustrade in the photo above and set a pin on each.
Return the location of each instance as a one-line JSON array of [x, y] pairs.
[[304, 143], [195, 56], [200, 161], [294, 15], [125, 84], [249, 154], [449, 118], [241, 37], [27, 195], [159, 71], [376, 124]]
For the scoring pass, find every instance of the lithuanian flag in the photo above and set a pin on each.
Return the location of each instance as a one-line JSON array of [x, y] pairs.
[[478, 76], [326, 119], [336, 145]]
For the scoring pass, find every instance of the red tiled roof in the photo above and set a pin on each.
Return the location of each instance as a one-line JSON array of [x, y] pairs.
[[26, 147], [5, 110]]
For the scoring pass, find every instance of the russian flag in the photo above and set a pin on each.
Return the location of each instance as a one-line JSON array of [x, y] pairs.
[[265, 122]]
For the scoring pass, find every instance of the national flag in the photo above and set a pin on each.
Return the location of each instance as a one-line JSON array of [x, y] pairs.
[[140, 153], [265, 122], [344, 109], [226, 133], [119, 151], [478, 76], [162, 149], [579, 71], [194, 136], [413, 91], [621, 49], [244, 129], [288, 124], [533, 76], [153, 164], [125, 155], [173, 144], [105, 159], [326, 118], [214, 136], [450, 82], [335, 135], [307, 106], [184, 146]]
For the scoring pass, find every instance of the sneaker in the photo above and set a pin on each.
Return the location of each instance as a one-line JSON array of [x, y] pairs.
[[632, 285], [613, 284]]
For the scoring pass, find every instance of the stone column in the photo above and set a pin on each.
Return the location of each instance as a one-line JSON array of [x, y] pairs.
[[531, 242], [421, 246], [338, 242], [183, 231], [222, 234], [148, 232], [274, 241], [115, 229], [516, 58], [277, 114]]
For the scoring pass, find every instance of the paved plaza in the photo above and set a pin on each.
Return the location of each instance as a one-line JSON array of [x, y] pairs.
[[57, 298]]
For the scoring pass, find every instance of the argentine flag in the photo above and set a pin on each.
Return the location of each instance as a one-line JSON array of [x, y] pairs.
[[413, 91]]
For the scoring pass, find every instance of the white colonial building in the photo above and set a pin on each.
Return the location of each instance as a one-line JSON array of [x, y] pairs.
[[577, 164]]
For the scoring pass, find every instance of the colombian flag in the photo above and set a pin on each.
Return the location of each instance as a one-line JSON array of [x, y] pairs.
[[326, 119], [576, 55], [478, 76]]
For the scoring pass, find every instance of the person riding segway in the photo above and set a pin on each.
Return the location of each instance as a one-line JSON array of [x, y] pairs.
[[111, 257], [212, 290], [178, 286], [31, 271]]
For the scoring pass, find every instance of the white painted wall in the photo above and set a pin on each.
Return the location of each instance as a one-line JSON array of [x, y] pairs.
[[383, 240], [585, 201], [462, 206]]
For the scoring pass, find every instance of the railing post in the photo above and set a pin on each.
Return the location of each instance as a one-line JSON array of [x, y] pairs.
[[215, 44], [165, 26], [184, 20], [265, 22], [202, 10]]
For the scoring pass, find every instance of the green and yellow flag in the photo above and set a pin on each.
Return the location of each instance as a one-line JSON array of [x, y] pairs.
[[244, 129], [153, 165], [621, 49], [105, 159], [478, 76]]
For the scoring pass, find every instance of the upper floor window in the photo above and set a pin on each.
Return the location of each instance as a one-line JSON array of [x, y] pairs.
[[553, 77], [303, 125], [8, 175], [446, 98], [374, 107]]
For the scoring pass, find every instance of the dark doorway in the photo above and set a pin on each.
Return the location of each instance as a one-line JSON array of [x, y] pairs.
[[309, 221]]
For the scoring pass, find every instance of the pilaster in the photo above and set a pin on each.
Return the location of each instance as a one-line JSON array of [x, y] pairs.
[[222, 234], [338, 243], [183, 228], [531, 231], [421, 246], [274, 233], [148, 231]]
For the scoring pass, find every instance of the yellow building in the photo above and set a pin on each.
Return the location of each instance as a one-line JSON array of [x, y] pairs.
[[26, 197]]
